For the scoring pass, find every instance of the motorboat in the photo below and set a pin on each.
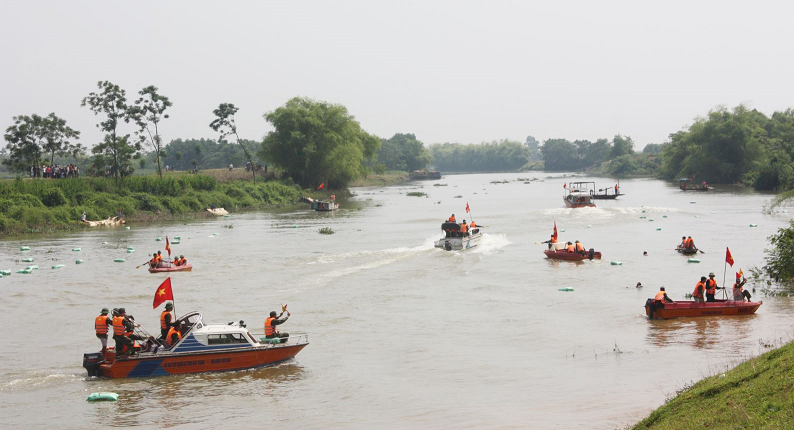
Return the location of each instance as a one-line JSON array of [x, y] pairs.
[[170, 267], [579, 195], [572, 256], [203, 348], [609, 193], [418, 175], [320, 205], [455, 240], [685, 250], [689, 308]]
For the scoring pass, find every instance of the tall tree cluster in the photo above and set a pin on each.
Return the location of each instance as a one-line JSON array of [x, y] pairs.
[[561, 154], [206, 153], [496, 156], [32, 137], [403, 152]]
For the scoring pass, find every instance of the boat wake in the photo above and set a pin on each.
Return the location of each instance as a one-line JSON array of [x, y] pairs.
[[372, 259], [38, 380], [491, 243]]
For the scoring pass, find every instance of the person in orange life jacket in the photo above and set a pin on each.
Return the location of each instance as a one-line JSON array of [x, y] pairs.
[[101, 324], [159, 257], [270, 326], [451, 218], [700, 290], [551, 241], [333, 197], [472, 226], [661, 298], [121, 329], [690, 243], [711, 288], [683, 242], [739, 293], [579, 247], [464, 228], [167, 320], [174, 335], [571, 248], [176, 261], [153, 261], [182, 260]]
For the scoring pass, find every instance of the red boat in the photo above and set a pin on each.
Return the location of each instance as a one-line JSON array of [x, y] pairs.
[[572, 256], [203, 348], [695, 309], [183, 268]]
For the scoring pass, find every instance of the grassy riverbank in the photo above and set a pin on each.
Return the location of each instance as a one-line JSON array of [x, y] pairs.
[[39, 205], [757, 394], [391, 177]]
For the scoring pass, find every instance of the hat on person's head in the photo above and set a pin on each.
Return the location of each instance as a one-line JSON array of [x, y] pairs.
[[169, 306], [661, 288], [702, 278], [122, 311], [104, 311], [272, 314], [711, 274]]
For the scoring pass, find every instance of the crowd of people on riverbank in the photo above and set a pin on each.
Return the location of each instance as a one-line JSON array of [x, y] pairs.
[[55, 172]]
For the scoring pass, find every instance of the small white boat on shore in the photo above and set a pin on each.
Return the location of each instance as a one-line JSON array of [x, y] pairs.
[[455, 240]]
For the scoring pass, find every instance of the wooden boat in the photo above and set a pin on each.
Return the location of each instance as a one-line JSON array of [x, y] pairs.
[[171, 268], [684, 185], [203, 348], [686, 251], [580, 195], [690, 308], [454, 240], [562, 254], [418, 175], [321, 206], [110, 221]]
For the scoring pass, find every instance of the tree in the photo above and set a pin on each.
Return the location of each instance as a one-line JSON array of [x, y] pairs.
[[534, 148], [780, 258], [404, 152], [621, 146], [318, 142], [111, 101], [147, 113], [653, 148], [560, 154], [31, 136], [225, 125]]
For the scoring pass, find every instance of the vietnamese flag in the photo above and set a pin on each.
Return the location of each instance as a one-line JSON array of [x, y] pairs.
[[322, 185], [163, 293], [467, 207], [728, 256], [555, 230], [168, 246], [565, 185]]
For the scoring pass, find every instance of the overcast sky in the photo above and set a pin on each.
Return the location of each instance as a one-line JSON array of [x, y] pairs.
[[447, 71]]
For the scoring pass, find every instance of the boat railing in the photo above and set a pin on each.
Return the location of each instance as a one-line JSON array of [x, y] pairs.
[[293, 339]]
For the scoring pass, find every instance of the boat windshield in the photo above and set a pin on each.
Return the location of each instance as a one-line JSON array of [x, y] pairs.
[[190, 321]]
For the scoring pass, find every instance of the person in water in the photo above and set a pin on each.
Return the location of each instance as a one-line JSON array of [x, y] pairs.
[[639, 285], [271, 331]]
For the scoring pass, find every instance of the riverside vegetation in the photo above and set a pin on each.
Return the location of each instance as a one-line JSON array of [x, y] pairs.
[[45, 205]]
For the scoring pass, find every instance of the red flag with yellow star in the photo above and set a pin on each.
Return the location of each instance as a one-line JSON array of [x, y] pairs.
[[163, 293]]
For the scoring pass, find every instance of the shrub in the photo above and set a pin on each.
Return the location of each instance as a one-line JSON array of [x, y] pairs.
[[54, 197]]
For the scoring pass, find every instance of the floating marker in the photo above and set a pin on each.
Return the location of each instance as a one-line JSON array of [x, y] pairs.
[[692, 203], [565, 289], [664, 216], [562, 230], [77, 249], [693, 260], [216, 234], [227, 216], [27, 260], [78, 261], [177, 237], [616, 263], [32, 267], [126, 228], [130, 251], [58, 266], [1, 275], [159, 239], [697, 216], [176, 242], [97, 397], [658, 229], [643, 211], [104, 243], [642, 217], [118, 260], [5, 272], [25, 271], [24, 248], [650, 219], [753, 225], [129, 248]]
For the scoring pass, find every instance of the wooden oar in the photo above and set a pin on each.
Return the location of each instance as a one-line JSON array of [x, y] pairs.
[[701, 251], [141, 264]]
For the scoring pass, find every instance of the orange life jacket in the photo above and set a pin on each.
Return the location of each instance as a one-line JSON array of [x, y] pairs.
[[699, 290], [451, 219], [737, 288], [659, 297], [118, 326], [579, 247], [270, 329], [553, 240], [163, 325], [571, 248], [182, 261], [171, 333], [711, 286], [690, 243], [464, 228], [101, 324], [159, 258], [473, 225], [175, 262]]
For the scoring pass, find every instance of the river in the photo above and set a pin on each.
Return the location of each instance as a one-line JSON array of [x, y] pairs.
[[402, 335]]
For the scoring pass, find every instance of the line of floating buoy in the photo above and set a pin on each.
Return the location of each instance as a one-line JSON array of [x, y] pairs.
[[77, 249], [25, 271], [5, 272], [78, 261], [24, 248], [118, 260], [158, 239], [693, 260], [58, 266], [616, 263]]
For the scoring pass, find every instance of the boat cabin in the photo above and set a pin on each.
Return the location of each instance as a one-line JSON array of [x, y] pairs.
[[580, 194], [199, 336]]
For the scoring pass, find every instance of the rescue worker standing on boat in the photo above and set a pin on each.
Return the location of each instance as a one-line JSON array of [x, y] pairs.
[[451, 218], [711, 288], [551, 241], [271, 332], [101, 324], [121, 327], [464, 228], [739, 293], [167, 320], [700, 290]]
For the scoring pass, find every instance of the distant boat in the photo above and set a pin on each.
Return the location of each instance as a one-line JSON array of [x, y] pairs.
[[684, 185], [695, 309], [609, 193], [562, 254], [172, 268], [320, 205], [686, 251], [579, 195], [423, 174]]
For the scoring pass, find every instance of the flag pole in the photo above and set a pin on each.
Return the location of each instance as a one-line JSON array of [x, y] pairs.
[[724, 270]]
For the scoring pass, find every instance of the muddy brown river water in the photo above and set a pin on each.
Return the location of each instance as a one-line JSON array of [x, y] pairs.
[[402, 335]]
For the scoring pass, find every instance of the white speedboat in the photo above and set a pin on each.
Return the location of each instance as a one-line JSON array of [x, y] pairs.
[[454, 240]]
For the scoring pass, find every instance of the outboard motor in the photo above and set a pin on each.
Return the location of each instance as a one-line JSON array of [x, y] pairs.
[[447, 245], [591, 253], [649, 305], [91, 362]]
